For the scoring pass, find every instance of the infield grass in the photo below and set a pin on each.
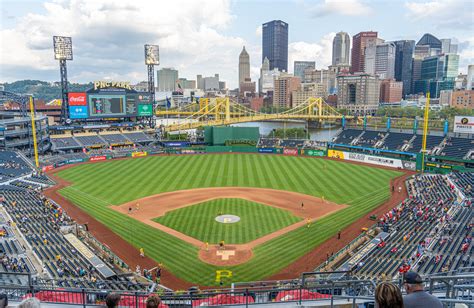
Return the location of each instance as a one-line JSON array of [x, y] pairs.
[[256, 220], [96, 187]]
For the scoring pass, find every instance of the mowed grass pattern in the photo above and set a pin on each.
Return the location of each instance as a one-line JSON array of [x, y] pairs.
[[97, 186], [256, 220]]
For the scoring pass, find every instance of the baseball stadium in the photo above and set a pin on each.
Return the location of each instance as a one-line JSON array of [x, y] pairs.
[[215, 209]]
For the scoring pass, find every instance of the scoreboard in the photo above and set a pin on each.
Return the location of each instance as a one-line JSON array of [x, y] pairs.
[[110, 100], [111, 106]]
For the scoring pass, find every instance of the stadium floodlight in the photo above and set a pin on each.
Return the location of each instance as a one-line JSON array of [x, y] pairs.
[[152, 55], [62, 47]]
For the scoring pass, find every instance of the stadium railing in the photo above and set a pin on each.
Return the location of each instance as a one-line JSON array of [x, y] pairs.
[[456, 288]]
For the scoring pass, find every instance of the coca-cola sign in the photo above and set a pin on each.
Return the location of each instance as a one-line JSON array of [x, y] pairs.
[[77, 99]]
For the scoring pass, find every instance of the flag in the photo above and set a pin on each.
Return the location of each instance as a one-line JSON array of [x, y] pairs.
[[168, 102]]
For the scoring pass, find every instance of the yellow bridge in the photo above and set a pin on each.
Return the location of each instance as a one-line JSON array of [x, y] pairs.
[[223, 111]]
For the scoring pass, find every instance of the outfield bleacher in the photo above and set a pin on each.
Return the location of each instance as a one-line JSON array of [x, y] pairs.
[[115, 139], [139, 137], [457, 147], [65, 143], [395, 141], [347, 136], [431, 142], [370, 138], [90, 141]]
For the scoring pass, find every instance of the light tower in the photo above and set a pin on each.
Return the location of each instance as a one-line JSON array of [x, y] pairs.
[[63, 52], [152, 58]]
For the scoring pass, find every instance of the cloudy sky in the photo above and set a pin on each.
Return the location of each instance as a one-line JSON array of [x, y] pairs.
[[206, 36]]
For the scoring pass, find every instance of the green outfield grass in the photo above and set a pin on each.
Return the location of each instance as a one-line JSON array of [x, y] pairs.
[[96, 187], [256, 220]]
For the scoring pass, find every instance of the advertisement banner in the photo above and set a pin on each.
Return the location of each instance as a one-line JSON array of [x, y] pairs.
[[47, 168], [265, 150], [336, 154], [312, 152], [464, 124], [145, 110], [374, 160], [78, 112], [74, 161], [98, 158], [77, 99], [291, 152], [139, 154]]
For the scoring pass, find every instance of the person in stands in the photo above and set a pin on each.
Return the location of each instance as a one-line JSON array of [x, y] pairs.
[[388, 295], [112, 300], [416, 296], [153, 301], [30, 303]]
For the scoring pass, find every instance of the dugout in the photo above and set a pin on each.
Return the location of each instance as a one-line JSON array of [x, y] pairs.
[[223, 135]]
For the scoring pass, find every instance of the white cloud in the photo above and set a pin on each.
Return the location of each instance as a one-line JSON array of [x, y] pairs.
[[108, 38], [321, 52], [457, 14], [342, 7], [258, 31]]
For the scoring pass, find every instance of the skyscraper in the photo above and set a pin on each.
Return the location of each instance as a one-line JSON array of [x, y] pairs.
[[447, 47], [166, 79], [300, 66], [341, 47], [244, 66], [404, 63], [385, 60], [437, 73], [275, 44], [359, 42]]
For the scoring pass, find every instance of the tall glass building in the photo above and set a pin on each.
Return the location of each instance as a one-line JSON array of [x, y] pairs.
[[404, 63], [438, 73], [275, 44]]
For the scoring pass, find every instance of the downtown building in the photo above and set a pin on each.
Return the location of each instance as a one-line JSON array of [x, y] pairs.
[[244, 66], [275, 44], [306, 91], [299, 68], [358, 93], [166, 79], [404, 63], [359, 42], [437, 73], [391, 91], [284, 85], [341, 49]]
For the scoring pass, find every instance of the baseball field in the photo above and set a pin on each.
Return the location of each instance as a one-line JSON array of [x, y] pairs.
[[168, 205]]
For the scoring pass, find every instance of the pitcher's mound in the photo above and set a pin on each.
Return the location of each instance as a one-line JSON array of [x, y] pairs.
[[231, 255]]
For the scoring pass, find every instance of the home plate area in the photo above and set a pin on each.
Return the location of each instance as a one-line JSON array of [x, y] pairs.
[[227, 256]]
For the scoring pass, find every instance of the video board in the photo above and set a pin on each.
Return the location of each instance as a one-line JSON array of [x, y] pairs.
[[106, 105]]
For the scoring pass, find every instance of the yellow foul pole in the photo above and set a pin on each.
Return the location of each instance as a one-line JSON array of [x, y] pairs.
[[425, 131], [33, 128]]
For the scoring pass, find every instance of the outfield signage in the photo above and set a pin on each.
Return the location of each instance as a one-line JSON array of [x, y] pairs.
[[312, 152], [265, 150], [48, 168], [176, 144], [98, 158], [145, 110], [74, 161], [78, 112], [98, 264], [139, 154], [370, 159], [291, 152], [464, 124]]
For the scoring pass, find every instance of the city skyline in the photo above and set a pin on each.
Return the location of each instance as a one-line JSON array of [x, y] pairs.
[[112, 48]]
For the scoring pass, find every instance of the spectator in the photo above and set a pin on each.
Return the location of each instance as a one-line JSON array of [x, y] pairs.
[[417, 297], [388, 295], [153, 301], [112, 300], [30, 303], [3, 300]]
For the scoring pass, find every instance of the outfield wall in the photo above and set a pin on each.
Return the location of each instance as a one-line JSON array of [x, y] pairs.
[[374, 160]]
